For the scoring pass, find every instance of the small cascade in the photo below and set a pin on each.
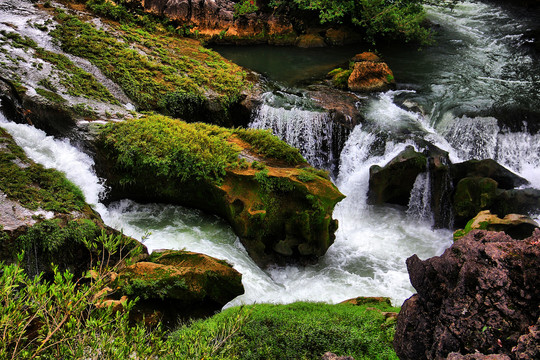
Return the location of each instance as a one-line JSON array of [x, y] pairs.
[[419, 207], [295, 120]]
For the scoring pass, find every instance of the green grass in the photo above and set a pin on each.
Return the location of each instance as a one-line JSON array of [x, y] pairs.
[[296, 331], [32, 185], [150, 65]]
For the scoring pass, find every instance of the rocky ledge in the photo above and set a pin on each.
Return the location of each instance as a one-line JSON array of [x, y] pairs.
[[479, 300], [279, 206]]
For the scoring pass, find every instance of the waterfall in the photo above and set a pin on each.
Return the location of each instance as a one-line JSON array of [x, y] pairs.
[[419, 207], [308, 129]]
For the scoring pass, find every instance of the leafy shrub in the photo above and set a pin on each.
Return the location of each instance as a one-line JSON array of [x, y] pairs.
[[245, 7], [59, 320]]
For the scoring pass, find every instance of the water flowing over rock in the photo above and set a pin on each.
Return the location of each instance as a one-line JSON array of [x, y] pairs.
[[482, 294]]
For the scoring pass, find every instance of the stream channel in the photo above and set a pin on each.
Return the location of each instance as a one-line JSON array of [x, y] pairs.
[[475, 94]]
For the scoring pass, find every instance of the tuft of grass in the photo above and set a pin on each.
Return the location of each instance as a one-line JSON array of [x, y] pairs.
[[172, 148], [298, 331]]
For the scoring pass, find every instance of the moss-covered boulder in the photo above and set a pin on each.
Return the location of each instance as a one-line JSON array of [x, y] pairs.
[[487, 168], [45, 216], [393, 182], [279, 207], [472, 195], [516, 225], [179, 283]]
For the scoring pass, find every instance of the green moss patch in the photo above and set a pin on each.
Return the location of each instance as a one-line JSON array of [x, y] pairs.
[[32, 185], [295, 331], [268, 145], [76, 81], [150, 65]]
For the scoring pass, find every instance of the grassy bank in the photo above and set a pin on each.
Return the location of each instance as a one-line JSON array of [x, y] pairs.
[[62, 319]]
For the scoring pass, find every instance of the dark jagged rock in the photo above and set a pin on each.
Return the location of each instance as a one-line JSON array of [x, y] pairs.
[[520, 201], [482, 294], [490, 169], [393, 182], [477, 356]]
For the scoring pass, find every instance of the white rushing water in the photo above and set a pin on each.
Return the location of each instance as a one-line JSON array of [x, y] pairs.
[[372, 242]]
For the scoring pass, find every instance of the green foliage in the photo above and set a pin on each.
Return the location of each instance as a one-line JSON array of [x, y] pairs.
[[258, 165], [245, 7], [153, 288], [166, 147], [268, 145], [399, 19], [340, 77], [297, 331], [32, 185], [149, 63], [84, 110], [59, 320], [306, 176]]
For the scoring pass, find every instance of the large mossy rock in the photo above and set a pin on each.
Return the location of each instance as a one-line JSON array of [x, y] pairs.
[[488, 168], [279, 207], [45, 216], [482, 295], [393, 182], [179, 284], [474, 194], [516, 225]]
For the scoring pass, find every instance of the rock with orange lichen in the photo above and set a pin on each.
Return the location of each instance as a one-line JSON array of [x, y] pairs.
[[369, 76], [279, 206], [179, 284]]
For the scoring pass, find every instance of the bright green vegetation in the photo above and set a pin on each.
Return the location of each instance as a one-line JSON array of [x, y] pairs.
[[58, 319], [172, 148], [61, 318], [150, 66], [245, 7], [76, 81], [340, 77], [268, 145], [178, 150], [400, 19], [32, 185], [296, 331]]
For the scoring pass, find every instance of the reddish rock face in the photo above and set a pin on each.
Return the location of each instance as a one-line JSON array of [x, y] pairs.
[[370, 76], [482, 294]]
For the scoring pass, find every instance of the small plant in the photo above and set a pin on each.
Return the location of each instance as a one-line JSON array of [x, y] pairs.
[[245, 7], [258, 165]]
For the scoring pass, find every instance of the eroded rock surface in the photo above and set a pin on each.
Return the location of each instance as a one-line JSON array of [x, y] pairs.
[[482, 295]]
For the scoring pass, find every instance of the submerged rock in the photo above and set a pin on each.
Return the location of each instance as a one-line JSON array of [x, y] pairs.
[[482, 295]]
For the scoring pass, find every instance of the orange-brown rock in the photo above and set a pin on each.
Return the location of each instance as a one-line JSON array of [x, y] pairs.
[[366, 56], [179, 283], [310, 41], [369, 76]]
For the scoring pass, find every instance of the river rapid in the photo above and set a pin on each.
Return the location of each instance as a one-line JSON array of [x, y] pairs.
[[450, 95]]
